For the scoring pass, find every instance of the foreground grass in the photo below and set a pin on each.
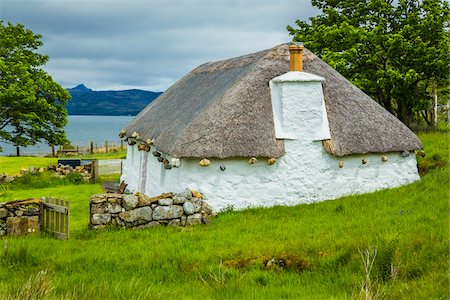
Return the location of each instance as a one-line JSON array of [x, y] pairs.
[[408, 226]]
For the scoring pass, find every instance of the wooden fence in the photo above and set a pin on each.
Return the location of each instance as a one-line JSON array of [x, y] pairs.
[[72, 150], [90, 149], [55, 217]]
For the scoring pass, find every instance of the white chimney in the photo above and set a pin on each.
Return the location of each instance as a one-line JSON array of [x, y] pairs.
[[297, 102]]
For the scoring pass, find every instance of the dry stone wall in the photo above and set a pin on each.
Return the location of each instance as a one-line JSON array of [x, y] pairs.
[[20, 217], [140, 211]]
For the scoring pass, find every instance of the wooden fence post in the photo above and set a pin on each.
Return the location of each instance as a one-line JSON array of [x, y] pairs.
[[106, 146], [121, 145], [91, 146], [94, 170], [41, 214]]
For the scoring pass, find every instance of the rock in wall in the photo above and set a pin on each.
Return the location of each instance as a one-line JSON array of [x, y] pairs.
[[20, 217]]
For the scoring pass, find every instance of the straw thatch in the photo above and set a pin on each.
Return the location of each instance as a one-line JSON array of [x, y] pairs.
[[223, 109]]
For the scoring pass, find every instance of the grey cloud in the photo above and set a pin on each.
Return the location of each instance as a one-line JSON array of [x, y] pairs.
[[149, 44]]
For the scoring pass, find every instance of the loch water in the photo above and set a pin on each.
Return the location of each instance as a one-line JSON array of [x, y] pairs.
[[80, 130]]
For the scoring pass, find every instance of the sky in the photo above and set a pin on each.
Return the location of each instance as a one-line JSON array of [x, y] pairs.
[[149, 44]]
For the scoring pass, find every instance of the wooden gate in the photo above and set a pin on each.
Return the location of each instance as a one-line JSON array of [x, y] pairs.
[[55, 217]]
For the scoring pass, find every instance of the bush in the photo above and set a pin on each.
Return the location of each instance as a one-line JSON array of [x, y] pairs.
[[426, 164]]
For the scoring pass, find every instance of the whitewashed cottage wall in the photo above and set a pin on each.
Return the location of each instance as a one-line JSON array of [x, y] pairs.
[[292, 180]]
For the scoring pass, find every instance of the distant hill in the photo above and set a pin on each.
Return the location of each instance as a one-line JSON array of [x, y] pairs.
[[109, 103]]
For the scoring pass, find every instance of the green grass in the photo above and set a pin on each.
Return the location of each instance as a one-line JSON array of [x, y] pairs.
[[12, 165], [225, 259]]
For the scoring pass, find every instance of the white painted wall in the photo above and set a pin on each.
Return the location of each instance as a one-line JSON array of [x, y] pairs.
[[305, 174], [313, 175]]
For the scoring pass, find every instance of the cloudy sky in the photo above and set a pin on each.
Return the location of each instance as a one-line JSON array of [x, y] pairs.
[[149, 44]]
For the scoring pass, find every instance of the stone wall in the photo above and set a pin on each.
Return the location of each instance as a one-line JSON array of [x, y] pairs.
[[20, 217], [140, 211]]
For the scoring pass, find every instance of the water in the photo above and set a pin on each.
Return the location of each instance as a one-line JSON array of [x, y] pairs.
[[80, 130]]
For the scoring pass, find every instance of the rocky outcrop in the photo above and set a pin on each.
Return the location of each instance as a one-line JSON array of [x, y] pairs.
[[139, 211]]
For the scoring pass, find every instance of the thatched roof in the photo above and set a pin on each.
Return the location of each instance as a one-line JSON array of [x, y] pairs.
[[223, 109]]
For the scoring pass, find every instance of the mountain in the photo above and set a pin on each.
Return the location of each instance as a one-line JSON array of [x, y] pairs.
[[109, 103]]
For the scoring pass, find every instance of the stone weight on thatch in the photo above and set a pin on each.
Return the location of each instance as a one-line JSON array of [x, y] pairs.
[[204, 162], [271, 161], [252, 160]]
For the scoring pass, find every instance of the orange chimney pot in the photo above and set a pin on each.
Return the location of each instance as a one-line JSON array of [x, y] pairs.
[[296, 57]]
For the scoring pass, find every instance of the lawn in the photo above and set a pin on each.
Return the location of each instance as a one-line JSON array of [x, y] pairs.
[[12, 165], [314, 249]]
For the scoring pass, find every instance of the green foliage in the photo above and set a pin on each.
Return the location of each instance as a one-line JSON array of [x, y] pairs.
[[436, 151], [32, 105], [395, 51]]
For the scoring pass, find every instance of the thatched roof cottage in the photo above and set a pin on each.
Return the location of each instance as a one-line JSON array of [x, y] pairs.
[[261, 130]]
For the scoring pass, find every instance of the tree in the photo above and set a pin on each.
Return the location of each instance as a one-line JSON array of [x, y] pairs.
[[395, 51], [32, 104]]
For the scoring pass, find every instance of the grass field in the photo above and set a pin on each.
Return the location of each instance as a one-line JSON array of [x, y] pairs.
[[315, 249], [12, 165]]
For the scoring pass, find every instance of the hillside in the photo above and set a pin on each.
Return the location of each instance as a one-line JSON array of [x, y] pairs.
[[110, 103]]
